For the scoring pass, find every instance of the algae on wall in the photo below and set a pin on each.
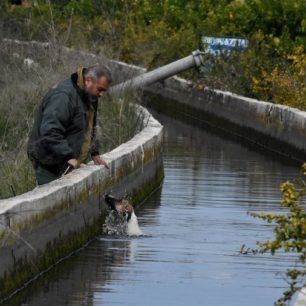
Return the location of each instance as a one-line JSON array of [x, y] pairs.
[[62, 216]]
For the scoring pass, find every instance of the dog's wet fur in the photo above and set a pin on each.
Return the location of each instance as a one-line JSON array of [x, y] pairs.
[[122, 206]]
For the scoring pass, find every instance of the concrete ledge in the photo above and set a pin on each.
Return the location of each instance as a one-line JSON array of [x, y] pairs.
[[275, 127], [40, 227]]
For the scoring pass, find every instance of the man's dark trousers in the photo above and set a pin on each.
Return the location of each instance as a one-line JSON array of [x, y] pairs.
[[43, 176]]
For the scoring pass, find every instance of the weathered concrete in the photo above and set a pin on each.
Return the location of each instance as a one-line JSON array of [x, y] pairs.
[[43, 225], [275, 127]]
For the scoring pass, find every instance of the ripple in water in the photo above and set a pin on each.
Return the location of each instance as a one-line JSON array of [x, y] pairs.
[[116, 224]]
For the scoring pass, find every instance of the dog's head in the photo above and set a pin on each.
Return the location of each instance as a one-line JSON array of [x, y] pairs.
[[121, 206]]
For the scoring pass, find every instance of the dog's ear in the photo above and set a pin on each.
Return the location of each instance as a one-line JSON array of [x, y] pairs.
[[108, 198], [110, 201]]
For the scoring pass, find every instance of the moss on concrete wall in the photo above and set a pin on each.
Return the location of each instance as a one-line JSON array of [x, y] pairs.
[[76, 208], [27, 269], [239, 132]]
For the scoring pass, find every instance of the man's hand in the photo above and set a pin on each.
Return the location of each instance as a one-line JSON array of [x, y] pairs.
[[75, 164], [99, 161]]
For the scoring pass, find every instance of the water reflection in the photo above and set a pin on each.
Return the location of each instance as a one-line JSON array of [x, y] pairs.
[[195, 225]]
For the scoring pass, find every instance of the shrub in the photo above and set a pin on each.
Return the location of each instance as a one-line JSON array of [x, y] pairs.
[[289, 235], [285, 84]]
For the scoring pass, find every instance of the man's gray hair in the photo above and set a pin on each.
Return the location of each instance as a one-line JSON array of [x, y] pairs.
[[96, 72]]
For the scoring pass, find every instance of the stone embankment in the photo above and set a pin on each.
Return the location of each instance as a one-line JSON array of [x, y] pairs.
[[40, 227]]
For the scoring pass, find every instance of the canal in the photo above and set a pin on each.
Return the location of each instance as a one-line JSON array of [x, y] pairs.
[[194, 226]]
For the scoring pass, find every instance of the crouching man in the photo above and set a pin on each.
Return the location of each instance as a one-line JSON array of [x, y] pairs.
[[64, 131]]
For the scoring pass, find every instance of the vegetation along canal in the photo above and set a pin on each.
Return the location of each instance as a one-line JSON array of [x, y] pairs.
[[194, 226]]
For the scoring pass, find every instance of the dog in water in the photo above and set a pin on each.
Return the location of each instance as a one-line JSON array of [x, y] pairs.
[[122, 219], [122, 206]]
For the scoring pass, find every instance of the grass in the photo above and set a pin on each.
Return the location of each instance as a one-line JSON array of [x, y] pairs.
[[118, 122], [22, 89]]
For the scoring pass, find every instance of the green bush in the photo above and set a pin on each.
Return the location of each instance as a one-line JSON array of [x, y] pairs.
[[153, 33]]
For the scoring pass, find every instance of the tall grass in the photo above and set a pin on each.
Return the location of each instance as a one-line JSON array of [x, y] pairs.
[[23, 86], [118, 121]]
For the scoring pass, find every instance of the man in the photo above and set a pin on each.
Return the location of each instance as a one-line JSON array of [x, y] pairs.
[[64, 130]]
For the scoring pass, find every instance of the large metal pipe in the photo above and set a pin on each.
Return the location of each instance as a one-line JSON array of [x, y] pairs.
[[159, 74]]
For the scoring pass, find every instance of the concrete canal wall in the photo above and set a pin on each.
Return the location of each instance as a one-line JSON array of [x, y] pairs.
[[274, 127], [41, 226]]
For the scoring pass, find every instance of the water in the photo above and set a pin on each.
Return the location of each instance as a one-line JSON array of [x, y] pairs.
[[194, 227]]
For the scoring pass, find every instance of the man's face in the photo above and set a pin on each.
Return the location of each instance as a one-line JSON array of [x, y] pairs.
[[97, 88]]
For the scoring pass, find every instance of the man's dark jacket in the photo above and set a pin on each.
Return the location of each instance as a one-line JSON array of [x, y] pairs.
[[60, 126]]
